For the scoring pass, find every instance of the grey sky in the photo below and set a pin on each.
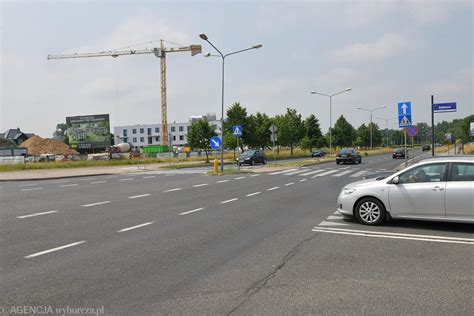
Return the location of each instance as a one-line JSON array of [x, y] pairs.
[[387, 51]]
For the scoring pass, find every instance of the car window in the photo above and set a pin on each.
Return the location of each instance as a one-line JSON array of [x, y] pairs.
[[425, 173], [462, 172]]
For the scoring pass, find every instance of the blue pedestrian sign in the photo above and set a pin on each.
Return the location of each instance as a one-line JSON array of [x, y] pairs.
[[404, 114], [444, 107], [237, 130], [215, 142]]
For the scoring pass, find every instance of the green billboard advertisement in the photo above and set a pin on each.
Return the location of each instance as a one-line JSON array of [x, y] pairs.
[[88, 131]]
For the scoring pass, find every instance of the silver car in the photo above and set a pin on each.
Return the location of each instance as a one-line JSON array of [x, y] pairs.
[[435, 189]]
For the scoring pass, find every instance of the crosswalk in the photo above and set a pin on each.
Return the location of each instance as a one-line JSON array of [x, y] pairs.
[[323, 172]]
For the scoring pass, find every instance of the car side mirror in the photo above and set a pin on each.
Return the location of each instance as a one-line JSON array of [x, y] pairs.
[[396, 180]]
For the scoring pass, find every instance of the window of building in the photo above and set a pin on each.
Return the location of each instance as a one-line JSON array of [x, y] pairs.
[[157, 129], [134, 131], [174, 137], [157, 138], [142, 131], [181, 128], [150, 140], [148, 130], [125, 133], [134, 139], [181, 137], [173, 129], [125, 139], [142, 139]]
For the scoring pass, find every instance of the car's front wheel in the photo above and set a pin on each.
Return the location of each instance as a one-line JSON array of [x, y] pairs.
[[370, 211], [252, 162]]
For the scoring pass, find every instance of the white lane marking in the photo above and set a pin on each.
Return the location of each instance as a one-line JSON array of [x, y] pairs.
[[295, 172], [94, 204], [172, 190], [340, 174], [252, 194], [335, 216], [324, 173], [97, 182], [32, 189], [62, 181], [192, 211], [274, 188], [255, 175], [200, 185], [382, 169], [110, 177], [325, 223], [238, 178], [283, 171], [134, 227], [343, 168], [358, 174], [288, 184], [139, 196], [303, 180], [402, 236], [27, 185], [54, 249], [228, 201], [126, 179], [311, 172], [222, 181], [36, 214], [69, 185], [148, 177]]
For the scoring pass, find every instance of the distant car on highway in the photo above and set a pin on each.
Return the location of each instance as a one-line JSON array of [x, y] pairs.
[[251, 157], [435, 189], [426, 148], [348, 155], [318, 153], [399, 153]]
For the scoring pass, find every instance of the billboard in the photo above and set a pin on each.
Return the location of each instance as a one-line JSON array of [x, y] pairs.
[[88, 131]]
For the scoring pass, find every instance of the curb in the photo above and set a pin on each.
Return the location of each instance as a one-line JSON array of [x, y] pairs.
[[58, 177]]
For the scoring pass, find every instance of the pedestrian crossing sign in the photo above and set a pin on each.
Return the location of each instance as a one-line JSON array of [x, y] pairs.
[[237, 130], [404, 120]]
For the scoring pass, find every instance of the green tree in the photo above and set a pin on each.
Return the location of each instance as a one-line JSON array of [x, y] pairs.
[[363, 136], [237, 115], [313, 136], [291, 129], [376, 135], [260, 125], [465, 127], [343, 134], [200, 135], [60, 131]]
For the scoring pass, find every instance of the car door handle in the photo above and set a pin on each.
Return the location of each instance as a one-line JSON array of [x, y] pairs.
[[437, 188]]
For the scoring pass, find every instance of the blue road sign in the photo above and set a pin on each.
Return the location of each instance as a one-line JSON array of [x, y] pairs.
[[215, 142], [404, 108], [444, 107], [237, 130], [404, 121], [412, 130]]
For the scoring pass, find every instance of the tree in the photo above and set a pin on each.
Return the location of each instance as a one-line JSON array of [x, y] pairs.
[[290, 129], [363, 136], [465, 127], [200, 135], [343, 133], [60, 131], [237, 115], [260, 124], [313, 136]]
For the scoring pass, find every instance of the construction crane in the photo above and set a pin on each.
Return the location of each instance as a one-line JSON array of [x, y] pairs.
[[158, 52]]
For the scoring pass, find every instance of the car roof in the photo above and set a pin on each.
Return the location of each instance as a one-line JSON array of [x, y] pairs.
[[449, 159]]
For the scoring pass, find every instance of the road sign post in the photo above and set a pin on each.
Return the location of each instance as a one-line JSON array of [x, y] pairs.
[[237, 132], [439, 108], [273, 129], [404, 120]]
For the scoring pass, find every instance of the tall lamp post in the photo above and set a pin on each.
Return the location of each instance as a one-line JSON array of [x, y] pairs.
[[371, 111], [330, 111], [204, 37], [386, 124]]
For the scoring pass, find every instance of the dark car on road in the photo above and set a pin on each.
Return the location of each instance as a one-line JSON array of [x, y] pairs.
[[348, 155], [399, 153], [426, 148], [318, 153], [251, 157]]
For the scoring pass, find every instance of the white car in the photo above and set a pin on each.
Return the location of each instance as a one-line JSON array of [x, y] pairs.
[[435, 189]]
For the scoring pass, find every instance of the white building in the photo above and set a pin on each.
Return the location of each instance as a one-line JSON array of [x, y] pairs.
[[151, 134]]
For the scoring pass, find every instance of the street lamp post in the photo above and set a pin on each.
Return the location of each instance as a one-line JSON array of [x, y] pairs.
[[386, 124], [330, 111], [205, 38], [371, 110]]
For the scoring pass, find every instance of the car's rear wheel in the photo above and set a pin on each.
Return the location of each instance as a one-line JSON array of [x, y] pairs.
[[252, 162], [264, 161], [370, 211]]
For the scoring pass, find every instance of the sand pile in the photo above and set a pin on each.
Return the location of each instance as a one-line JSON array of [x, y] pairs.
[[37, 146]]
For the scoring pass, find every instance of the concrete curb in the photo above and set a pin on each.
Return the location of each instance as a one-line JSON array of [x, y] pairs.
[[59, 177]]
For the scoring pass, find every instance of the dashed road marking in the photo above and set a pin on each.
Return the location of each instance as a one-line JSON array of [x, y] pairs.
[[228, 201], [255, 175], [94, 204], [54, 249], [252, 194], [192, 211], [126, 179], [32, 189], [61, 181], [69, 185], [222, 181], [37, 214], [97, 182], [238, 178], [303, 180], [288, 184], [134, 227], [27, 185], [200, 185], [274, 188], [148, 177], [172, 190], [139, 196]]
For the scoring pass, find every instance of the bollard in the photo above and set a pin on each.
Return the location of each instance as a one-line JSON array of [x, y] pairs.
[[216, 166]]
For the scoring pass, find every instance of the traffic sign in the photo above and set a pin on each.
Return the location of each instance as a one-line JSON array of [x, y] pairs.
[[404, 121], [444, 107], [237, 130], [273, 128], [448, 136], [215, 142], [404, 108], [412, 130]]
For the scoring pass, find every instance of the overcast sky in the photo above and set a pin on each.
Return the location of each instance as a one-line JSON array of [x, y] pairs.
[[386, 51]]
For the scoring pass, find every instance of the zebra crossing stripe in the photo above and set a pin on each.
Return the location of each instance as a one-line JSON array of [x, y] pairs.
[[311, 172], [283, 171], [325, 173], [358, 174], [324, 223], [295, 172], [340, 174]]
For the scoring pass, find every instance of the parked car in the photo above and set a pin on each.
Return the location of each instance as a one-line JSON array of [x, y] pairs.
[[435, 189], [399, 153], [251, 157], [426, 147], [348, 155], [318, 153]]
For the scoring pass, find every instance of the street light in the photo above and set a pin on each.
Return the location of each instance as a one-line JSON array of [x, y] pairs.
[[386, 124], [205, 38], [330, 111], [371, 110]]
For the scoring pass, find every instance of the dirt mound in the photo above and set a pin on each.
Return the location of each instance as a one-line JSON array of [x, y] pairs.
[[37, 146]]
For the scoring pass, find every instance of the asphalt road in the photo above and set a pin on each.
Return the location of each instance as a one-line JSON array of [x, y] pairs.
[[182, 242]]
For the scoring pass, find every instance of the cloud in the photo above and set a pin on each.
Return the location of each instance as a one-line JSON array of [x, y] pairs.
[[460, 82], [390, 44]]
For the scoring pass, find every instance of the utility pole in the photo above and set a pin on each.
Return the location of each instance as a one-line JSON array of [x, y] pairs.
[[432, 127]]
